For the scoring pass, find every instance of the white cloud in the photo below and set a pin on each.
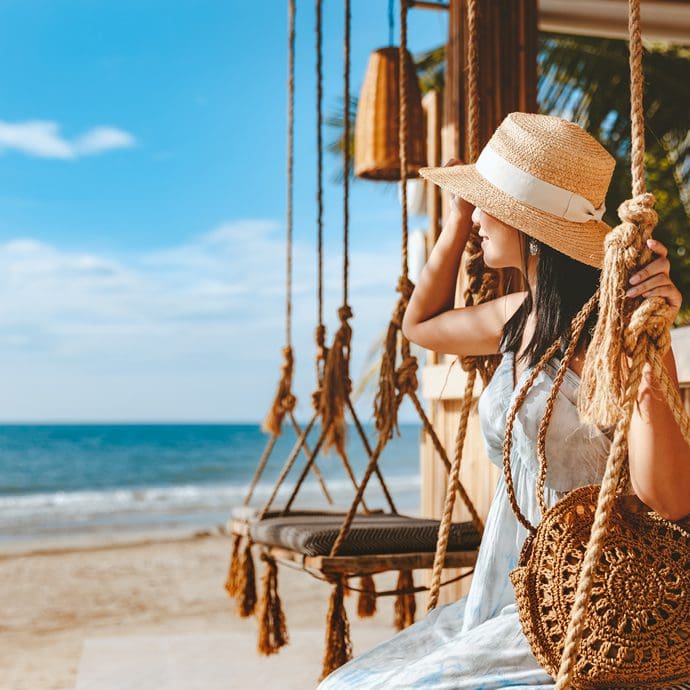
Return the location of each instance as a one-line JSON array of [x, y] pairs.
[[101, 139], [192, 331], [42, 138]]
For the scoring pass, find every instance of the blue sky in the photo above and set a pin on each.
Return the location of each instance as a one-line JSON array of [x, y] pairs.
[[142, 158]]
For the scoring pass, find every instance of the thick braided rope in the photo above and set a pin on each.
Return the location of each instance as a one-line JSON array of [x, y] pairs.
[[402, 131], [607, 494], [482, 285], [268, 448], [284, 400], [319, 158], [290, 170], [438, 446], [346, 150], [347, 522], [605, 366], [636, 102], [287, 466], [369, 451], [320, 333], [482, 282], [449, 503], [385, 407], [507, 437], [644, 340], [473, 80], [337, 384], [577, 327], [315, 468]]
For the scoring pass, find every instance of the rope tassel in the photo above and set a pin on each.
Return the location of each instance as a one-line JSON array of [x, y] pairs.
[[385, 403], [246, 584], [605, 367], [337, 385], [272, 628], [405, 602], [232, 581], [366, 603], [338, 646], [284, 400]]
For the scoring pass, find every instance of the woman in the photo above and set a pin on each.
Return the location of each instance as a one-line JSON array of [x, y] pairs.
[[537, 193]]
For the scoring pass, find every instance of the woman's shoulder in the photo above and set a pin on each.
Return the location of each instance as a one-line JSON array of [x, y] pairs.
[[512, 302]]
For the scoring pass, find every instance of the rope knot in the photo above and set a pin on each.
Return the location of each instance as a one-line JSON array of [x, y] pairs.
[[288, 403], [640, 211], [345, 313], [336, 385], [406, 376], [284, 401], [405, 287], [320, 336], [650, 319]]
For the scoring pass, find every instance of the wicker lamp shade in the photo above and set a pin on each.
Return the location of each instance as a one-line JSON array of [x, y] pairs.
[[377, 151]]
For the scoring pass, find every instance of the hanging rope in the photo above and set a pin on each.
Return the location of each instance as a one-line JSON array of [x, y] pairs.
[[638, 330], [320, 333], [240, 579], [394, 384], [337, 384], [385, 408], [482, 285], [332, 365], [284, 400]]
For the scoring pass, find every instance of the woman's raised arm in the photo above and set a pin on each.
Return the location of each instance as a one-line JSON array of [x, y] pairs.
[[431, 320]]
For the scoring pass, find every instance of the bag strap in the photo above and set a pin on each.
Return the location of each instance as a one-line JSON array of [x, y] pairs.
[[575, 330]]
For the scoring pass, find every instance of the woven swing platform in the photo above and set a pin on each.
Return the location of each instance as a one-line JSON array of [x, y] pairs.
[[375, 543]]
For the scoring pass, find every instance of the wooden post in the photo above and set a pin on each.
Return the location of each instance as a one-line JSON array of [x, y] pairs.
[[507, 82]]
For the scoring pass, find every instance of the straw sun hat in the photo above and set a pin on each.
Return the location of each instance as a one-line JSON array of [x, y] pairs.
[[543, 175]]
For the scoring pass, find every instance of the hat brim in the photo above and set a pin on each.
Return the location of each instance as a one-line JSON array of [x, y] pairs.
[[581, 241]]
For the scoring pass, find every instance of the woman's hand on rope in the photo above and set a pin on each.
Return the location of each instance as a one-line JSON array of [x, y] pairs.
[[458, 205], [654, 280]]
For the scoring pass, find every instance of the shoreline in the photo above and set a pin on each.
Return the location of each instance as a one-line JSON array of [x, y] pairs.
[[99, 541]]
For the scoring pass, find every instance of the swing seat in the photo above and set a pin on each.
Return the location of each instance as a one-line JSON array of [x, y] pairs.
[[313, 534], [242, 516]]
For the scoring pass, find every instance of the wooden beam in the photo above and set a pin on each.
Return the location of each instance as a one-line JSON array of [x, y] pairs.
[[425, 5], [661, 21], [371, 564]]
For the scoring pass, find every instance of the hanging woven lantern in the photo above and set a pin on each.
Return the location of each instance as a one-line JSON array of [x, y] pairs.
[[377, 152]]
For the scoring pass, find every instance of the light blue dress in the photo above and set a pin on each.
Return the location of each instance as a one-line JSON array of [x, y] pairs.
[[477, 642]]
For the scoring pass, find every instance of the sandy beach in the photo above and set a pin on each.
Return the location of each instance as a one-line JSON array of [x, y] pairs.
[[53, 600]]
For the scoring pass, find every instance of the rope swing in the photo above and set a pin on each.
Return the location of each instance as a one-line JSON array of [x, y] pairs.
[[392, 541]]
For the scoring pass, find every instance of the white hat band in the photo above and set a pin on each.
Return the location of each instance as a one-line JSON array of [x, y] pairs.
[[537, 193]]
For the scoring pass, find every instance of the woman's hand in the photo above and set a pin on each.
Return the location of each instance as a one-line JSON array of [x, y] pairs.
[[654, 280], [458, 205]]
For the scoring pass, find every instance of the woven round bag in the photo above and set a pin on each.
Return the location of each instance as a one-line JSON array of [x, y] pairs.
[[637, 632], [638, 622]]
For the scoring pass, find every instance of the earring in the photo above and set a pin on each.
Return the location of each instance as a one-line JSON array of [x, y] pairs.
[[533, 246]]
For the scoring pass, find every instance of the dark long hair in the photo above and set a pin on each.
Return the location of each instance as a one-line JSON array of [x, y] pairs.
[[563, 287]]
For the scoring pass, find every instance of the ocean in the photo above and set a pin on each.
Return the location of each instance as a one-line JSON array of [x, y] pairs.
[[58, 481]]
